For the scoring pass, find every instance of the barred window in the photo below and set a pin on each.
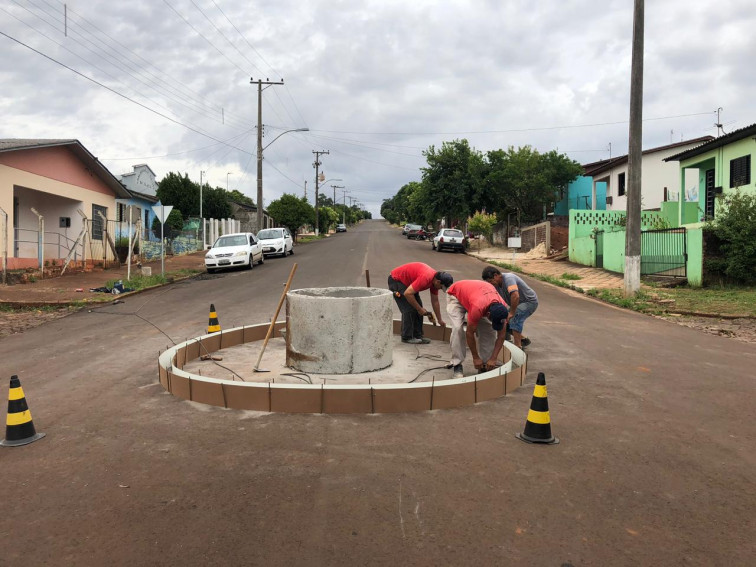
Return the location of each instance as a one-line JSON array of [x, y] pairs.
[[740, 171], [97, 222]]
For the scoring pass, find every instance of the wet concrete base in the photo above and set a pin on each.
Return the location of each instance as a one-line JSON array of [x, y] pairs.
[[411, 363]]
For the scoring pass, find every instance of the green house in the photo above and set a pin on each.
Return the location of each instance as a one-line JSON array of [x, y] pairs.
[[724, 165]]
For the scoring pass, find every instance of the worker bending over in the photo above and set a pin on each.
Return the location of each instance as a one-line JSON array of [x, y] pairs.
[[486, 316], [407, 281]]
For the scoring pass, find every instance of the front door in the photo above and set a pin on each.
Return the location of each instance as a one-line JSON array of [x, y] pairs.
[[15, 227]]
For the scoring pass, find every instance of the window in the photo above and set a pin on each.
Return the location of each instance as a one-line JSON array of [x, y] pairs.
[[740, 171], [97, 222], [621, 184], [147, 219]]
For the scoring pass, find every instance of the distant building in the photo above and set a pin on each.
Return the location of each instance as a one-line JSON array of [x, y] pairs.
[[142, 180]]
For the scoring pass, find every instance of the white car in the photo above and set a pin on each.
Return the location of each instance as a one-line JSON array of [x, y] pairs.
[[449, 238], [238, 249], [276, 241]]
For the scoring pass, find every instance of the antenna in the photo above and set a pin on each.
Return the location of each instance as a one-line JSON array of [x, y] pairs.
[[719, 122]]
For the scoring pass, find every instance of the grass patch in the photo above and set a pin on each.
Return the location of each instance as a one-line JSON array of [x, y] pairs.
[[139, 282], [569, 276], [310, 238], [728, 301]]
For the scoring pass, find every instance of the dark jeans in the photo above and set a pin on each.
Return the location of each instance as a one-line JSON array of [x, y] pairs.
[[412, 322]]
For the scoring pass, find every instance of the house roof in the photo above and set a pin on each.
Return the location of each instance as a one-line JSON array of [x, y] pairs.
[[714, 143], [144, 196], [20, 144], [619, 160]]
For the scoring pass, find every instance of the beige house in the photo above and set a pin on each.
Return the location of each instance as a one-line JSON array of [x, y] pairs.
[[49, 191]]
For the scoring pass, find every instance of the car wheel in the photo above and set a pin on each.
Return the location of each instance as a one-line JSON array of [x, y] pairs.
[[251, 263], [262, 259], [210, 270], [438, 249], [292, 250], [433, 245]]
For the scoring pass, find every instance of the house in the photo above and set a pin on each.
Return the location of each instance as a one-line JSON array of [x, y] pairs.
[[657, 177], [137, 207], [50, 192], [142, 180], [720, 166], [579, 192]]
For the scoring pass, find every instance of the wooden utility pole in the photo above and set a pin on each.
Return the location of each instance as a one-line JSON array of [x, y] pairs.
[[316, 165], [635, 159], [260, 83]]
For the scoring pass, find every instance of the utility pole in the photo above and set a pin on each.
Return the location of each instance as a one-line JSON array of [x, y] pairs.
[[316, 165], [202, 219], [344, 191], [260, 83], [635, 159], [334, 192], [305, 189]]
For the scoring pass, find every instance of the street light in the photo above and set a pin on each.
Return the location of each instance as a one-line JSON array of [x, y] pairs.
[[260, 149]]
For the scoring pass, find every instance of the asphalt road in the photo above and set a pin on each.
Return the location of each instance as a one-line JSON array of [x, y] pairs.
[[655, 464]]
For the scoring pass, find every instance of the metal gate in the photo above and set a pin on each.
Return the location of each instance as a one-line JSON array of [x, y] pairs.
[[664, 252], [600, 249]]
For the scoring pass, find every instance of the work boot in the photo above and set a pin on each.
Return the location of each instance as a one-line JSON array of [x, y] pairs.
[[425, 341], [413, 341], [458, 371], [525, 341]]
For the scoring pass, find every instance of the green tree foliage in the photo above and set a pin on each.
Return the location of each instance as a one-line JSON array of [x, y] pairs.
[[184, 194], [735, 229], [452, 181], [173, 224], [327, 218], [525, 180], [292, 212], [238, 197]]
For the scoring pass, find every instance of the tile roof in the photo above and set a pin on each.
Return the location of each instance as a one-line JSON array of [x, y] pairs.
[[715, 143]]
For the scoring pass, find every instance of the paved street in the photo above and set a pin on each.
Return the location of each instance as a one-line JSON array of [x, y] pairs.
[[654, 467]]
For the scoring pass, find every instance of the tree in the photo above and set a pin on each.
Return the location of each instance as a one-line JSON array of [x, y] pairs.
[[292, 212], [452, 180], [238, 197], [482, 223], [173, 224], [181, 192], [526, 181], [215, 203], [735, 229]]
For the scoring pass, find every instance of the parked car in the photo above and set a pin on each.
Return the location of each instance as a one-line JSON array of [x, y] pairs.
[[405, 229], [276, 241], [238, 249], [341, 228], [449, 239], [416, 232]]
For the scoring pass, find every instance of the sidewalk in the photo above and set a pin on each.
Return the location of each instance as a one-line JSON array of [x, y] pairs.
[[61, 291], [590, 278]]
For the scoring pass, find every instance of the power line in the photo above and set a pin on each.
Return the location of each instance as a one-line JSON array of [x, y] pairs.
[[118, 93]]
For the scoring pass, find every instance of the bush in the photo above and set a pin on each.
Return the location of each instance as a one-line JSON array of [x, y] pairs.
[[734, 232]]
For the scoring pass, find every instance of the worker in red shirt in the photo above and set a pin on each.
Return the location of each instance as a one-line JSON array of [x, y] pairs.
[[486, 315], [407, 281]]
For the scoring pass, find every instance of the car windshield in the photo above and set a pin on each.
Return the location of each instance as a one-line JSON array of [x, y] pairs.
[[270, 234], [453, 233], [415, 227], [233, 240]]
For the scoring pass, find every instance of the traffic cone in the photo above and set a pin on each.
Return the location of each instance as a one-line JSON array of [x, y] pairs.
[[213, 326], [538, 424], [19, 428]]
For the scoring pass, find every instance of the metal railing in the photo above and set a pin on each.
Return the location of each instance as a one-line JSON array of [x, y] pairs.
[[664, 252]]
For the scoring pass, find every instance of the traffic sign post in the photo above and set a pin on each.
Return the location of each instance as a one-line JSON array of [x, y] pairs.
[[161, 212]]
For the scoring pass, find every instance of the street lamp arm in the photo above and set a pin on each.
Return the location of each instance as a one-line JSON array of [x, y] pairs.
[[285, 132]]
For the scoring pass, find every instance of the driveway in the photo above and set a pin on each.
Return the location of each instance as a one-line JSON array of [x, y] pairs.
[[654, 467]]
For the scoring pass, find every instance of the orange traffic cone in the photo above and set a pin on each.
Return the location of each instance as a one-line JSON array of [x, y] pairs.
[[213, 326], [19, 428], [538, 424]]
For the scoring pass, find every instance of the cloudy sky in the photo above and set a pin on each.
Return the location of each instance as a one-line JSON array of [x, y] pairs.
[[167, 82]]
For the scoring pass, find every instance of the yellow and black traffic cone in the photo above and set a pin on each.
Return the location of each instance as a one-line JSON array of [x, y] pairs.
[[19, 428], [538, 424], [213, 326]]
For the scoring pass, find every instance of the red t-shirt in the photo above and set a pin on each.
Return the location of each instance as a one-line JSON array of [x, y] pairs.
[[416, 274], [475, 296]]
